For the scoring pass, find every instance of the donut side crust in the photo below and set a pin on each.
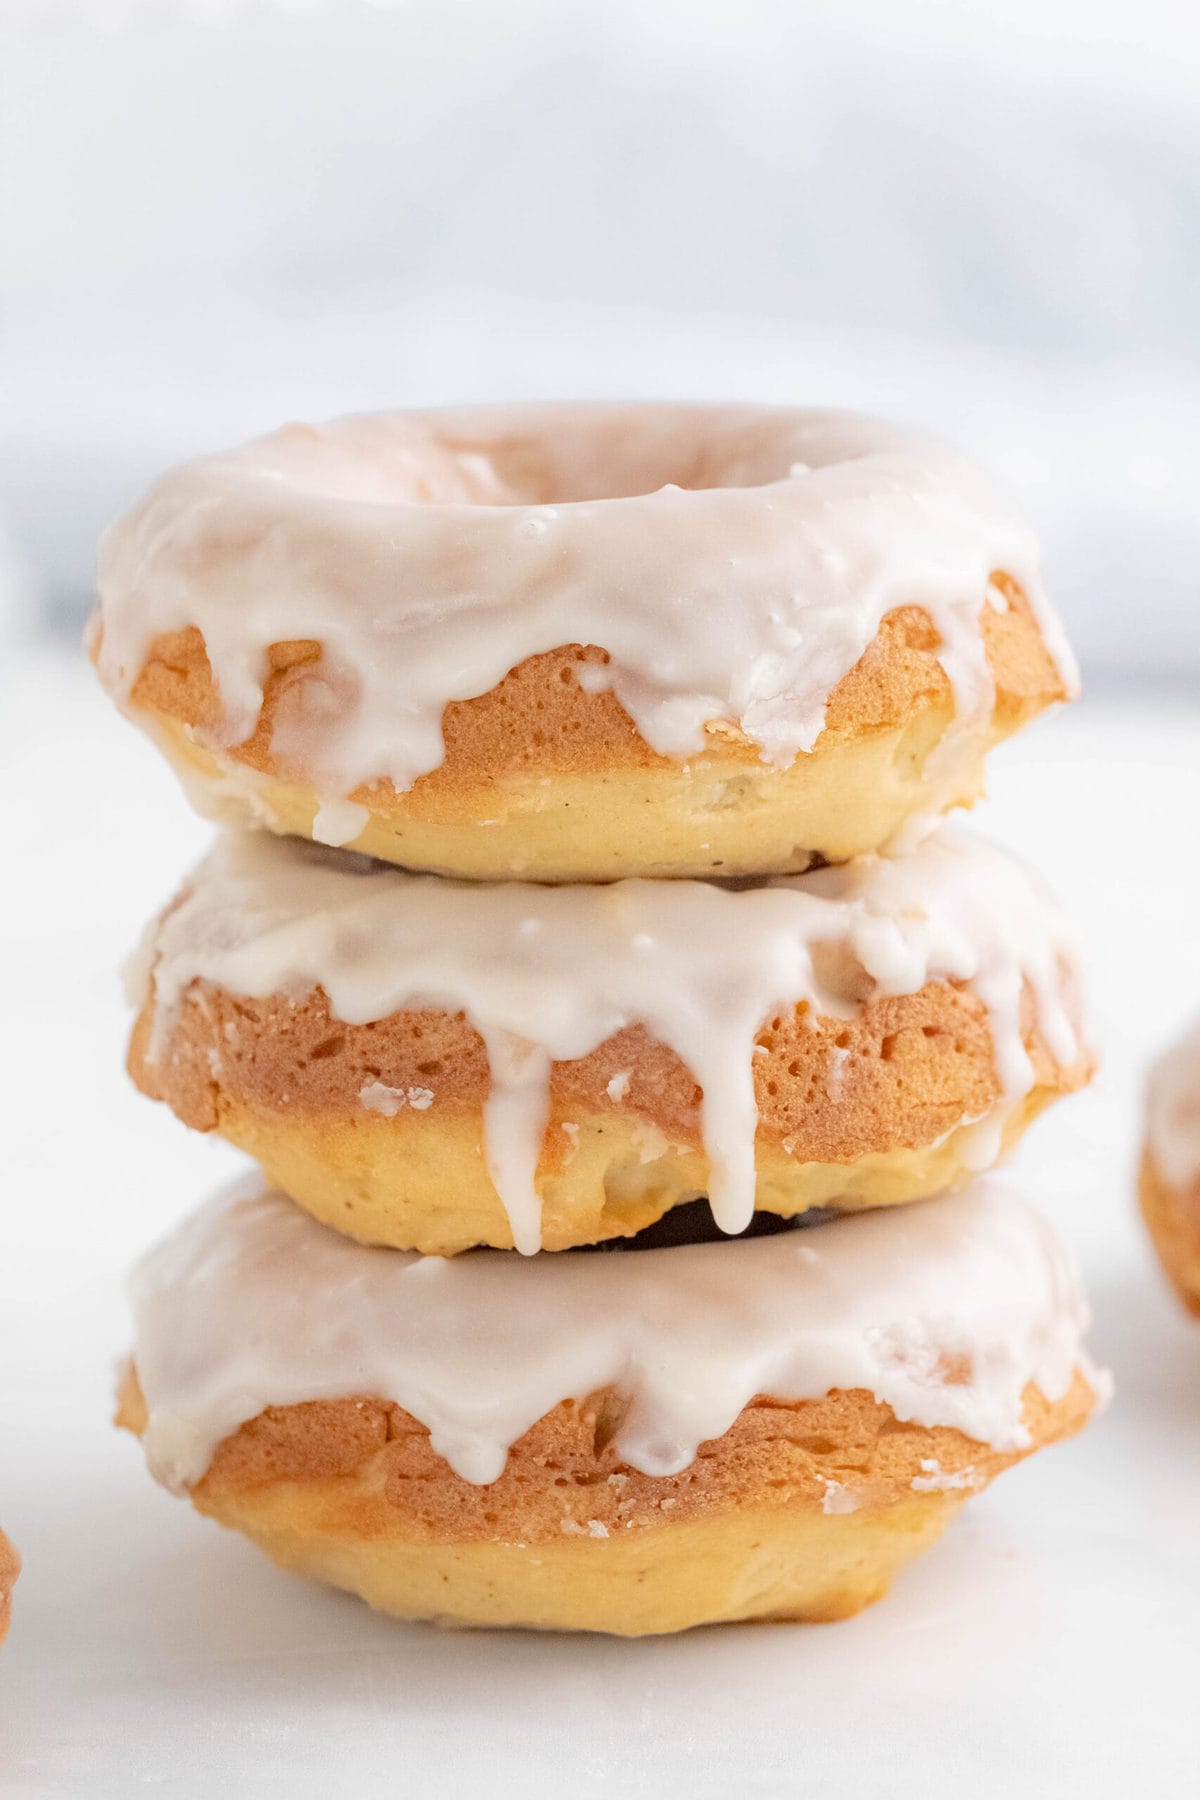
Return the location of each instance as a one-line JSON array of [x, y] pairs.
[[801, 1510], [540, 720], [525, 762], [860, 1111], [10, 1568], [1172, 1216], [715, 815], [415, 1187]]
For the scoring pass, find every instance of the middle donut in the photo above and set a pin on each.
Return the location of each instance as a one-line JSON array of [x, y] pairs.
[[436, 1064]]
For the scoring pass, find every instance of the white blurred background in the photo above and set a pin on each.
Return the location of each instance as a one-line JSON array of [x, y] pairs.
[[985, 220]]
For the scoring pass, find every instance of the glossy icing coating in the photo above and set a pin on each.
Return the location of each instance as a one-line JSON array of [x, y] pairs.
[[945, 1311], [733, 561], [547, 974]]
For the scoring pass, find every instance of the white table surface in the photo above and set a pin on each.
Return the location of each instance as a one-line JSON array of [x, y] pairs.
[[1050, 1646]]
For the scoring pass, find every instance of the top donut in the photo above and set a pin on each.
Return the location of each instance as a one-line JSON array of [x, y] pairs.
[[580, 642]]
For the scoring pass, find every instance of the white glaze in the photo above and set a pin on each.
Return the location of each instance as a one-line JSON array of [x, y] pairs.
[[933, 1479], [547, 974], [838, 1498], [734, 562], [251, 1303], [378, 1097], [1173, 1111]]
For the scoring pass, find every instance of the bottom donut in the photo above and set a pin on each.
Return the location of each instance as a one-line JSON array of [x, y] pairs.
[[631, 1441], [10, 1568]]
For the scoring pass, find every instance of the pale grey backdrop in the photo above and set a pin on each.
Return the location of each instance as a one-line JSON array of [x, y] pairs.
[[985, 219]]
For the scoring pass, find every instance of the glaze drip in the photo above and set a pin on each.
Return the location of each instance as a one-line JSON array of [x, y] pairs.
[[548, 974], [735, 562], [252, 1304]]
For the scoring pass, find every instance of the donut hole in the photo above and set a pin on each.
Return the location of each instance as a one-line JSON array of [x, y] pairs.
[[693, 1223], [559, 455], [540, 455]]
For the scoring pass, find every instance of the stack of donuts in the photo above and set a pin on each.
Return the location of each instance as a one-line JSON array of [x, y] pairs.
[[624, 1038]]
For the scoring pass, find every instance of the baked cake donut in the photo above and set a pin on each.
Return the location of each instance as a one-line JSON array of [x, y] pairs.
[[631, 1442], [436, 1064], [10, 1568], [1169, 1185], [580, 642]]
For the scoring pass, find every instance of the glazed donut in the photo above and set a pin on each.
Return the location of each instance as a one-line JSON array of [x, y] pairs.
[[1169, 1183], [10, 1568], [580, 642], [631, 1442], [436, 1064]]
